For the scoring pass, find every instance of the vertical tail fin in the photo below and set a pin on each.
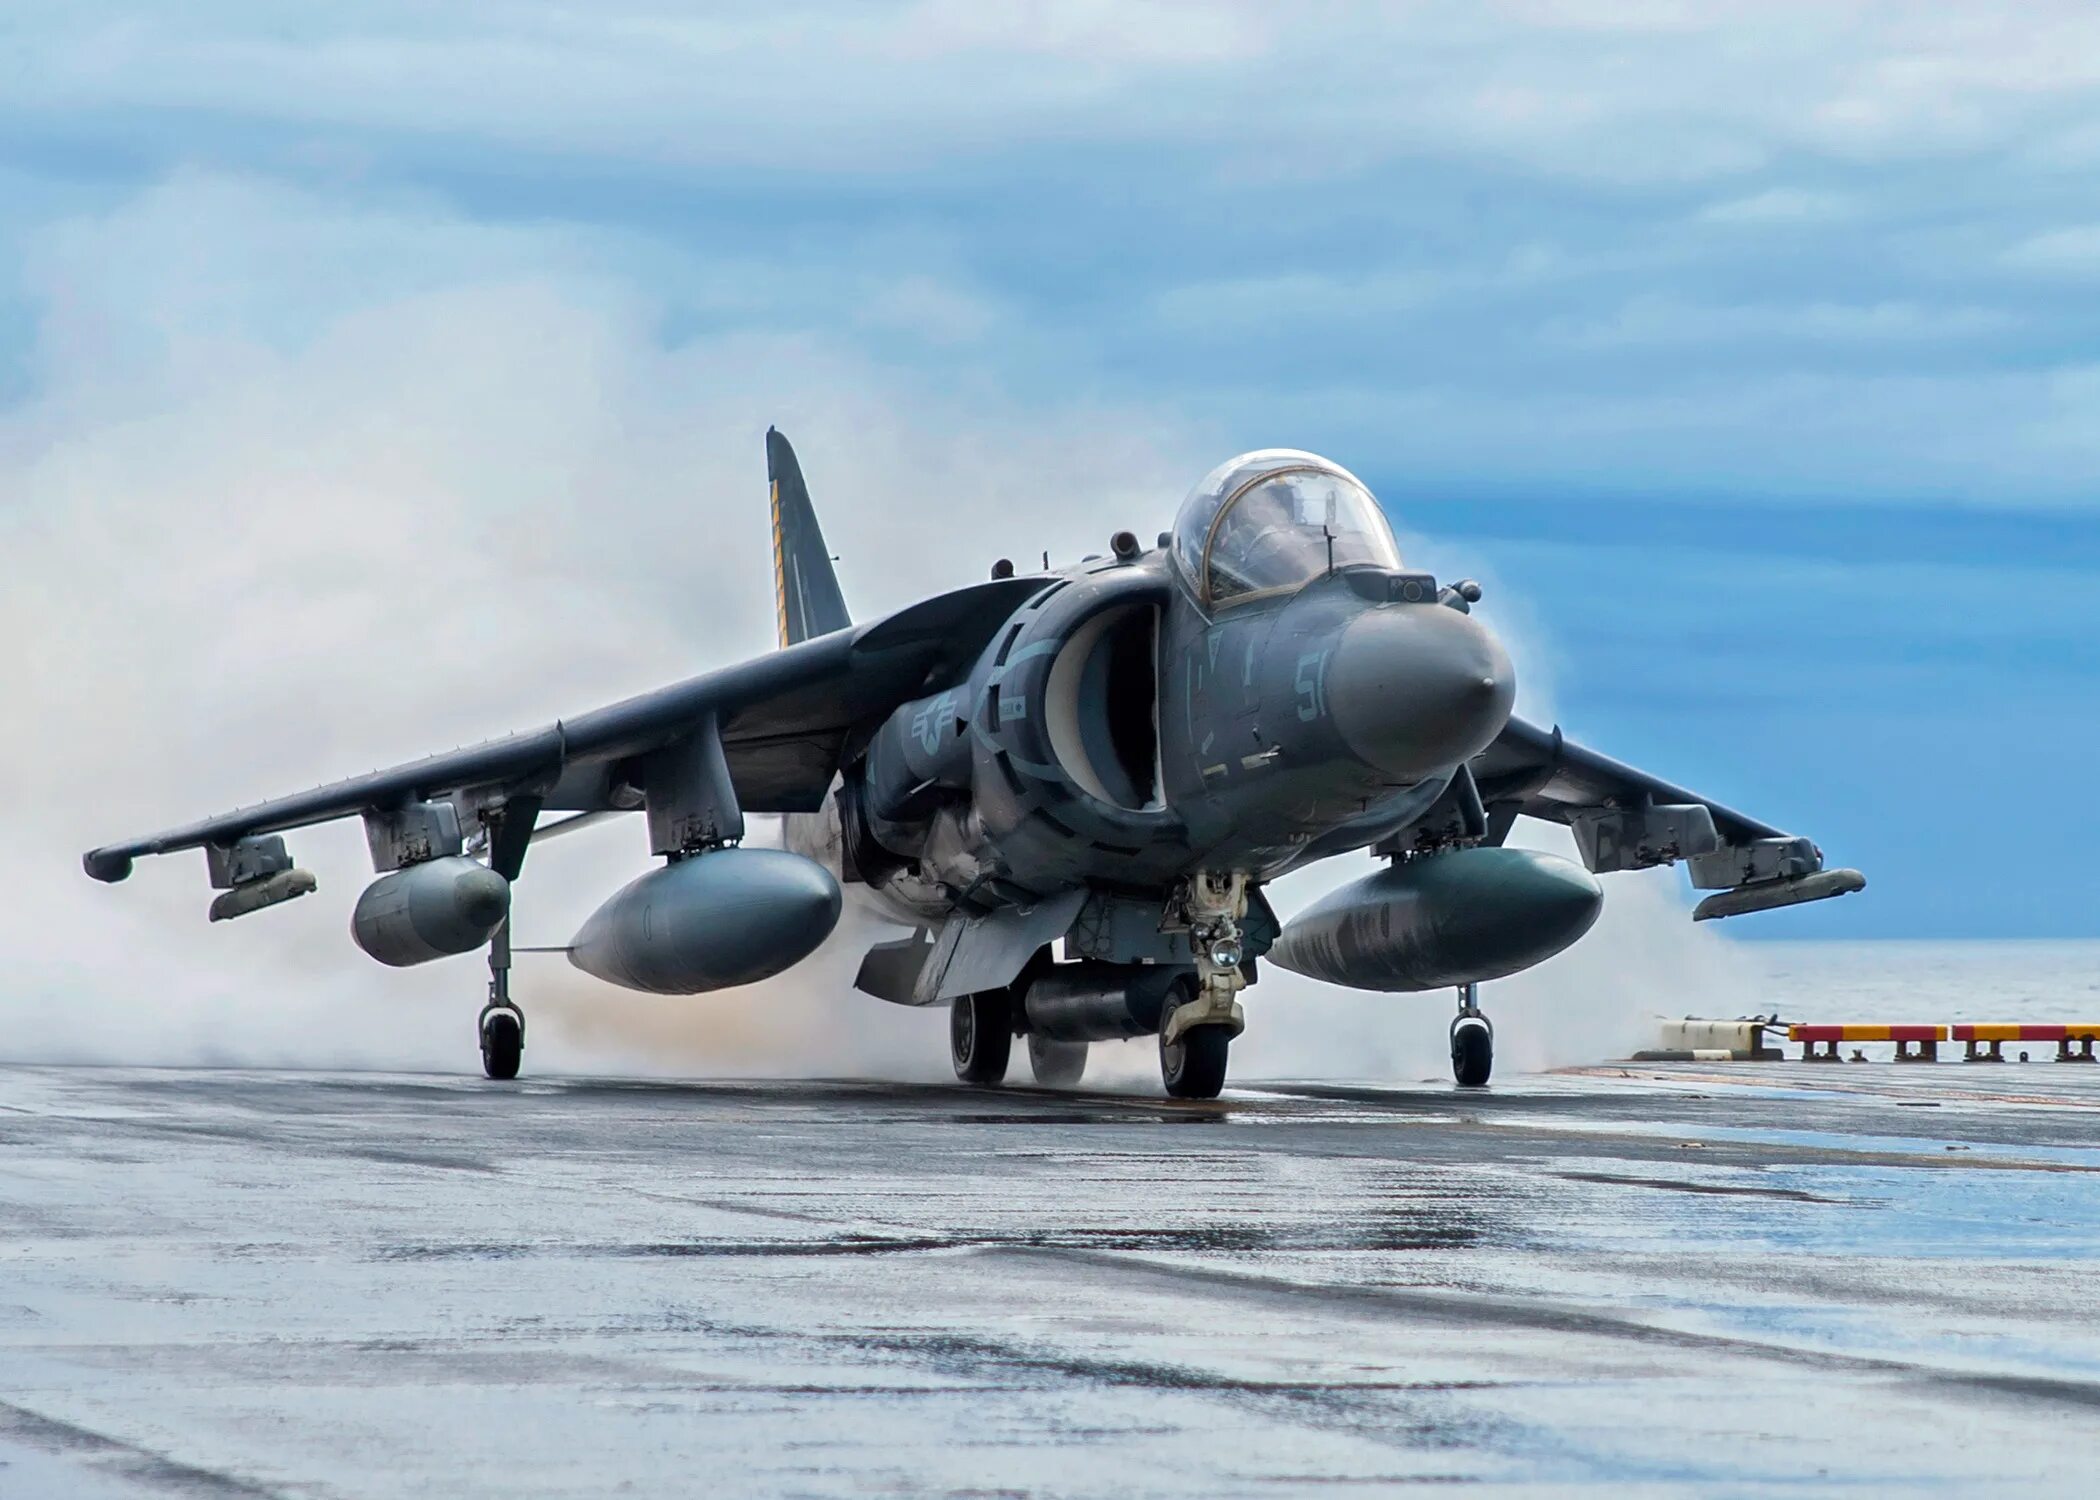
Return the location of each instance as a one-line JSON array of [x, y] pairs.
[[805, 589]]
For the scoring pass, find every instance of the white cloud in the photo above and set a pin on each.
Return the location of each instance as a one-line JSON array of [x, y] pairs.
[[2060, 252], [1655, 92], [1786, 428], [1778, 206], [1658, 321]]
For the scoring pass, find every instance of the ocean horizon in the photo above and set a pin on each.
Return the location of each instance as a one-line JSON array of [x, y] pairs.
[[1928, 980]]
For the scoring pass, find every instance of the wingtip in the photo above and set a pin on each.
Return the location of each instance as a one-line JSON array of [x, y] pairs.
[[1772, 895], [106, 867]]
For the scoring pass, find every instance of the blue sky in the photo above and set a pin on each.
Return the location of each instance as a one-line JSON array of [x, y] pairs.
[[1751, 352]]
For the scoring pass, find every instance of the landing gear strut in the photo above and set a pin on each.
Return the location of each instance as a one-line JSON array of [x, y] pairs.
[[502, 1023], [1196, 1034], [1472, 1041]]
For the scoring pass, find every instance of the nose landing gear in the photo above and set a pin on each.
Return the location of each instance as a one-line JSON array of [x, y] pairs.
[[1472, 1041], [1192, 1066], [1195, 1036]]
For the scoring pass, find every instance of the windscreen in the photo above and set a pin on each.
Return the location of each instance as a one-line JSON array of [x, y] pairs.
[[1288, 528]]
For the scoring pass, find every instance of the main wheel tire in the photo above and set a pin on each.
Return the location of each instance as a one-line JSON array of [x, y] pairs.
[[1056, 1065], [502, 1043], [1472, 1051], [981, 1035], [1193, 1065]]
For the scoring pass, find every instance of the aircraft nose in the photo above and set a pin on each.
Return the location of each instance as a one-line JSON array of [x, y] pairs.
[[1417, 688]]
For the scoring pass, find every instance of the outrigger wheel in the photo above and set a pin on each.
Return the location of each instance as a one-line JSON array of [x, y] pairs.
[[981, 1035], [502, 1041], [1472, 1041]]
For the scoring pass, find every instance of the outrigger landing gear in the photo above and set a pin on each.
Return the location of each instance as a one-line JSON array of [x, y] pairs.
[[502, 1023], [1472, 1041]]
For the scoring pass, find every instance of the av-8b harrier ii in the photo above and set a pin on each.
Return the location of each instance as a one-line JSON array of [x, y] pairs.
[[1111, 759]]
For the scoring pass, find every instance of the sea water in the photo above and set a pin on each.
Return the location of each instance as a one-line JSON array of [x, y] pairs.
[[1926, 981]]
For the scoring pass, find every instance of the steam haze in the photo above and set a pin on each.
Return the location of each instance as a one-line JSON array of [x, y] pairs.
[[476, 491], [473, 489]]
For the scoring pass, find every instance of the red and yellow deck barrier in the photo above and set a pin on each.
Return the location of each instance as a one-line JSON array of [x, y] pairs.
[[1984, 1041], [1695, 1040], [1925, 1039]]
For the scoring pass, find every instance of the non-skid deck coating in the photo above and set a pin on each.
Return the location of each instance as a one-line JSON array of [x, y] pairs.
[[1747, 1279]]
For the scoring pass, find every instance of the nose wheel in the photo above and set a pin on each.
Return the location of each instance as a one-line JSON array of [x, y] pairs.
[[502, 1041], [1192, 1066], [1472, 1041]]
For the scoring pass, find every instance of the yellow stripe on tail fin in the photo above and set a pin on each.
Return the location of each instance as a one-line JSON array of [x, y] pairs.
[[805, 589]]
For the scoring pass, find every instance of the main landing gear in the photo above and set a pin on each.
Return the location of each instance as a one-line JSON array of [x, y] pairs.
[[1472, 1041], [1192, 1059], [981, 1040], [1196, 1017], [502, 1023], [981, 1035]]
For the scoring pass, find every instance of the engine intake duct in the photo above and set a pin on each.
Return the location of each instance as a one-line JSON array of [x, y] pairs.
[[1101, 1002]]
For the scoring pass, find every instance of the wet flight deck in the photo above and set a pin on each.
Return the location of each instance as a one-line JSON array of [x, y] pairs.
[[1744, 1279]]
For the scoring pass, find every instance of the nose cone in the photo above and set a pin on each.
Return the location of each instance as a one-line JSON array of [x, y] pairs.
[[1518, 907], [1417, 688]]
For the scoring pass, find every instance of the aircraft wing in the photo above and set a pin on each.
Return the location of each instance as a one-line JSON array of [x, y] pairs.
[[1626, 819], [784, 721]]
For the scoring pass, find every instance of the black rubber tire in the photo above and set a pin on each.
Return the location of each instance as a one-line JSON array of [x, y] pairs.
[[1472, 1052], [981, 1035], [502, 1044], [1193, 1067], [1056, 1065]]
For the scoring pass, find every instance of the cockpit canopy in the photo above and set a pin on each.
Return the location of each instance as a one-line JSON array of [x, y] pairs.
[[1270, 522]]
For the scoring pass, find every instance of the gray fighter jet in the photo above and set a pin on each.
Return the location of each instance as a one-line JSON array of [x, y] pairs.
[[1112, 759]]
